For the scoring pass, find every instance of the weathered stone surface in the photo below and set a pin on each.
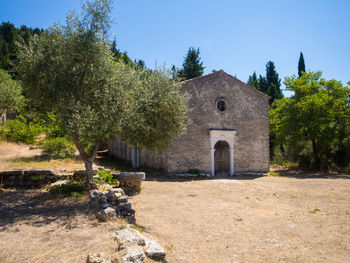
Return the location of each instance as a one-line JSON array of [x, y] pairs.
[[125, 209], [106, 214], [28, 178], [134, 255], [61, 182], [98, 257], [130, 219], [130, 176], [154, 250], [82, 172], [97, 200], [128, 237]]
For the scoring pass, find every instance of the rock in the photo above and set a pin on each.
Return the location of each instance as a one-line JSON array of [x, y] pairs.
[[130, 219], [60, 182], [106, 214], [154, 250], [125, 209], [97, 200], [113, 196], [134, 255], [128, 237], [130, 182], [98, 257], [82, 172]]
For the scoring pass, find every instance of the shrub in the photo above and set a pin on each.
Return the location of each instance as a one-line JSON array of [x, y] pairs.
[[107, 177], [67, 189], [59, 147], [194, 171], [22, 132]]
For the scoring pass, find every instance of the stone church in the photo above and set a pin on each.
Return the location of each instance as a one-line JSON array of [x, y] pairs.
[[227, 131]]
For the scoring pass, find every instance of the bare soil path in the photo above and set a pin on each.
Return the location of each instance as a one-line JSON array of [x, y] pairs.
[[247, 219]]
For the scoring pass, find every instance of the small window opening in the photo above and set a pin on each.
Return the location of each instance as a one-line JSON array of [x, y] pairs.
[[221, 105]]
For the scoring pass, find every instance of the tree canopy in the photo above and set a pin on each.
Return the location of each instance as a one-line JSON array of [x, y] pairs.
[[11, 98], [70, 70], [315, 121], [192, 66]]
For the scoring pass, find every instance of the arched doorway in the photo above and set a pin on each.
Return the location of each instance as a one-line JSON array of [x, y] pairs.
[[222, 158]]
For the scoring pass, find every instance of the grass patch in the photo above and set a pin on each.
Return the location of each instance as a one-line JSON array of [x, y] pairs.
[[137, 227], [238, 219], [314, 211], [271, 173], [68, 189], [192, 195]]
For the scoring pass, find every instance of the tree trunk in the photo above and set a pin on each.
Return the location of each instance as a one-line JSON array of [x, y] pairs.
[[89, 174], [315, 153], [88, 161]]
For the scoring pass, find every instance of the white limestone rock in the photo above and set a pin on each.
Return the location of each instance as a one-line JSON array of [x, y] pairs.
[[134, 255], [98, 257], [128, 237], [154, 250]]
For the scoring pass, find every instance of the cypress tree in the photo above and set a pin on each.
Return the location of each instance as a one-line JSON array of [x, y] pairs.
[[192, 66], [301, 64], [273, 82], [253, 81]]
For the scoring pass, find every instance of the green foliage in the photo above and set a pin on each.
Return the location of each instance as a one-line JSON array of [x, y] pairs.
[[107, 177], [9, 34], [21, 131], [253, 81], [11, 98], [273, 83], [314, 123], [192, 66], [60, 147], [37, 177], [301, 65], [194, 171], [155, 110], [68, 189]]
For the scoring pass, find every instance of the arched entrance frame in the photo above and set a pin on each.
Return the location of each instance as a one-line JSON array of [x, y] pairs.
[[222, 135]]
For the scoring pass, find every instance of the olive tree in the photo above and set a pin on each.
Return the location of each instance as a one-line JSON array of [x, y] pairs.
[[69, 70], [11, 98]]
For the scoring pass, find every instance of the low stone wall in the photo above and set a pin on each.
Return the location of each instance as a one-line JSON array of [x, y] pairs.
[[28, 178]]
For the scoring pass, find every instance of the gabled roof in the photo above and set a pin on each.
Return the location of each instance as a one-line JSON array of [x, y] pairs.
[[221, 72]]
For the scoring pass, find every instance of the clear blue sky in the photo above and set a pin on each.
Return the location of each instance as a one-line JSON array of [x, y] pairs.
[[236, 36]]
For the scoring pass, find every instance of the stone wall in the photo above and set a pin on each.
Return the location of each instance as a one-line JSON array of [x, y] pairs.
[[246, 113], [28, 178]]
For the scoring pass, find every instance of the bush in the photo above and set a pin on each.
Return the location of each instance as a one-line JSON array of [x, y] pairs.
[[21, 132], [67, 189], [59, 147], [107, 177]]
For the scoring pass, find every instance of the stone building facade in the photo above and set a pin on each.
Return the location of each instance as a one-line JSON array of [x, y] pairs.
[[227, 130]]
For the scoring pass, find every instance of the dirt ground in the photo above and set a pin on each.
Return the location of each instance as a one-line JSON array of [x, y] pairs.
[[292, 218], [300, 218], [23, 156], [36, 227]]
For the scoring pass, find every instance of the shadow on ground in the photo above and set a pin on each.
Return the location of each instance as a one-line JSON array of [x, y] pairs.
[[36, 208]]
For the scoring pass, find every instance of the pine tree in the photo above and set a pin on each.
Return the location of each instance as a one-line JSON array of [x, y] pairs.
[[262, 84], [301, 65], [273, 82], [253, 81], [192, 66]]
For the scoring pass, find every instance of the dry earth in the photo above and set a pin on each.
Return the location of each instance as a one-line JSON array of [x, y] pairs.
[[299, 218]]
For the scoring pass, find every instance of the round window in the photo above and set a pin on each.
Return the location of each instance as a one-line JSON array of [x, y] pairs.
[[221, 105]]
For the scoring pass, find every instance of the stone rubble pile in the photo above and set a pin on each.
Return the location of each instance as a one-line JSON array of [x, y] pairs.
[[133, 247], [109, 205]]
